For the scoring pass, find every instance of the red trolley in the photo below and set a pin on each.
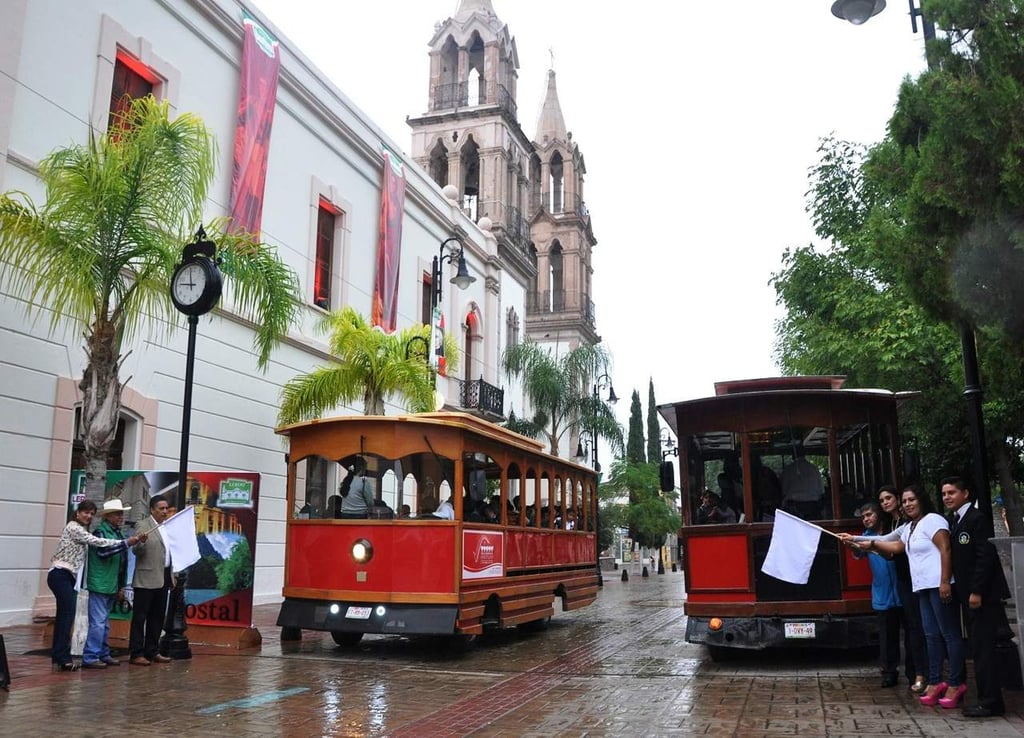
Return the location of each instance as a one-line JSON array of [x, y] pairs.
[[802, 444], [523, 531]]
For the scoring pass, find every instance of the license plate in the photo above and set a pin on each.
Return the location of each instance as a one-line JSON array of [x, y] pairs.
[[357, 613], [799, 630]]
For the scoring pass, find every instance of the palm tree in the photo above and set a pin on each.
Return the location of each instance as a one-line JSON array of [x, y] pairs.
[[100, 251], [559, 389], [371, 364]]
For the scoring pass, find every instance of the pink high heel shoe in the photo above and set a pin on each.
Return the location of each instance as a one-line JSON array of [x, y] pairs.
[[953, 696], [932, 694]]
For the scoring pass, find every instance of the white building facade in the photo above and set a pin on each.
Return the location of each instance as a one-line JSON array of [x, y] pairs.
[[59, 62]]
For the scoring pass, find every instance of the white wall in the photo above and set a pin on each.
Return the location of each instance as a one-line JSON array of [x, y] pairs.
[[318, 136]]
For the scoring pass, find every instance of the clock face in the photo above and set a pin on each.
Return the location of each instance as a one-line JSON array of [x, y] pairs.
[[196, 286], [189, 283]]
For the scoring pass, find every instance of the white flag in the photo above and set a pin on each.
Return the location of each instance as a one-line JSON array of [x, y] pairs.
[[791, 552], [179, 532]]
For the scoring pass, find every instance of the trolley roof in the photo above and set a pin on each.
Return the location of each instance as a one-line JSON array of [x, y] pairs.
[[462, 421], [738, 392]]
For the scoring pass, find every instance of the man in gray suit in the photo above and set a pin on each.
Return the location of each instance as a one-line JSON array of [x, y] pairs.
[[151, 583]]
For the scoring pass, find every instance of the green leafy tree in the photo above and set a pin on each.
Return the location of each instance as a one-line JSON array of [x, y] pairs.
[[653, 427], [559, 390], [614, 516], [650, 515], [100, 250], [635, 439], [949, 219], [371, 365]]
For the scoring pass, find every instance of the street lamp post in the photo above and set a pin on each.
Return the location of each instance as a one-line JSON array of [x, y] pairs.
[[462, 280], [857, 12], [601, 382]]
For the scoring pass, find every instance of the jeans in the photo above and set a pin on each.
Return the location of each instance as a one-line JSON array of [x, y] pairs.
[[62, 583], [941, 623], [96, 647]]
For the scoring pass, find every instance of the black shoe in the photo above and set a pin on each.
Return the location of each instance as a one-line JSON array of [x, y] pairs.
[[980, 711], [93, 665], [889, 681]]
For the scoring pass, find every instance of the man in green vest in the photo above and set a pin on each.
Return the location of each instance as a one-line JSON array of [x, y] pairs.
[[105, 577]]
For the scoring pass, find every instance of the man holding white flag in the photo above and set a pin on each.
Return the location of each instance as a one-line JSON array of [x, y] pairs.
[[791, 552]]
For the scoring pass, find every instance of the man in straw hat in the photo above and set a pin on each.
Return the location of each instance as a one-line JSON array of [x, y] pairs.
[[105, 578]]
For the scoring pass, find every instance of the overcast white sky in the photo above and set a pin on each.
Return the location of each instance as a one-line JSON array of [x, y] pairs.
[[698, 122]]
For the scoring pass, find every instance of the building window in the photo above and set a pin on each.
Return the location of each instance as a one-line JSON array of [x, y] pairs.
[[326, 222], [130, 83], [126, 67], [427, 300]]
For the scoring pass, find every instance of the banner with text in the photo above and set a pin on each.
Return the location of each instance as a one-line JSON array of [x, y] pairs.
[[483, 554]]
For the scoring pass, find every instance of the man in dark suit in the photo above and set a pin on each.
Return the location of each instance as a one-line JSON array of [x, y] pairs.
[[980, 587], [151, 583]]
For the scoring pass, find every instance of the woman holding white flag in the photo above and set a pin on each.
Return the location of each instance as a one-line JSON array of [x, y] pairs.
[[925, 540]]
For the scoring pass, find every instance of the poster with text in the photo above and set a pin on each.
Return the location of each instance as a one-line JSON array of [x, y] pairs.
[[226, 504], [483, 554]]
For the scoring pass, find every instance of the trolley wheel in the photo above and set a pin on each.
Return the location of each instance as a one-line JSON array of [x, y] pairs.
[[289, 633], [344, 638], [463, 642], [536, 626]]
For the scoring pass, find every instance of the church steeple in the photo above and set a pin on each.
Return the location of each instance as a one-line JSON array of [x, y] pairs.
[[550, 123], [468, 7]]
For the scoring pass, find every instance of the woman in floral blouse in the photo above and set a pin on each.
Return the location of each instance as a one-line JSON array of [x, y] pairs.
[[64, 568]]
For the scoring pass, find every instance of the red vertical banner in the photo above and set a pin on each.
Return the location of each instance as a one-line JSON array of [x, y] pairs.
[[257, 99], [389, 246]]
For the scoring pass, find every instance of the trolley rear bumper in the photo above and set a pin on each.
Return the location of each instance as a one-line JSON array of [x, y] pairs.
[[348, 617], [846, 631]]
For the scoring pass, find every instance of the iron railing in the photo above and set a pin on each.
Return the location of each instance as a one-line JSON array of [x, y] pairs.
[[478, 395]]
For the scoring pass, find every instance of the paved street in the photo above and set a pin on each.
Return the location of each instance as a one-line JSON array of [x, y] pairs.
[[617, 668]]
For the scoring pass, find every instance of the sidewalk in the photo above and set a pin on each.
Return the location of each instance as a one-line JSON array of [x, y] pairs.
[[619, 667]]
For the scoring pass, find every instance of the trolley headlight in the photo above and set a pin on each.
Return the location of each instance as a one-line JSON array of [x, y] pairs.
[[715, 624], [335, 608], [379, 612], [362, 551]]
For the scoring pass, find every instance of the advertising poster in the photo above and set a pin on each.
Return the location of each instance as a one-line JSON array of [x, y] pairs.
[[483, 554], [220, 585]]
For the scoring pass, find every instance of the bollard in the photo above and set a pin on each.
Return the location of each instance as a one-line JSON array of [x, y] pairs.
[[625, 575], [661, 566], [645, 573], [674, 566], [616, 565]]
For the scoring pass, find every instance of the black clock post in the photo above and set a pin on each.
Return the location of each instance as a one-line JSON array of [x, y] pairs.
[[195, 289]]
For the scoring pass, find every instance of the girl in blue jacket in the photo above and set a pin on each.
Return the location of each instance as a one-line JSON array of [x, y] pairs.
[[885, 598]]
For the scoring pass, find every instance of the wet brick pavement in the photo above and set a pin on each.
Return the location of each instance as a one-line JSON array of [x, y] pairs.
[[619, 667]]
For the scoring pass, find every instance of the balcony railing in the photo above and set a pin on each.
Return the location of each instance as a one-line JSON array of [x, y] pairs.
[[486, 399]]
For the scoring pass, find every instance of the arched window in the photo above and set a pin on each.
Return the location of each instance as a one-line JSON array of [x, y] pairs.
[[556, 277], [556, 184]]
